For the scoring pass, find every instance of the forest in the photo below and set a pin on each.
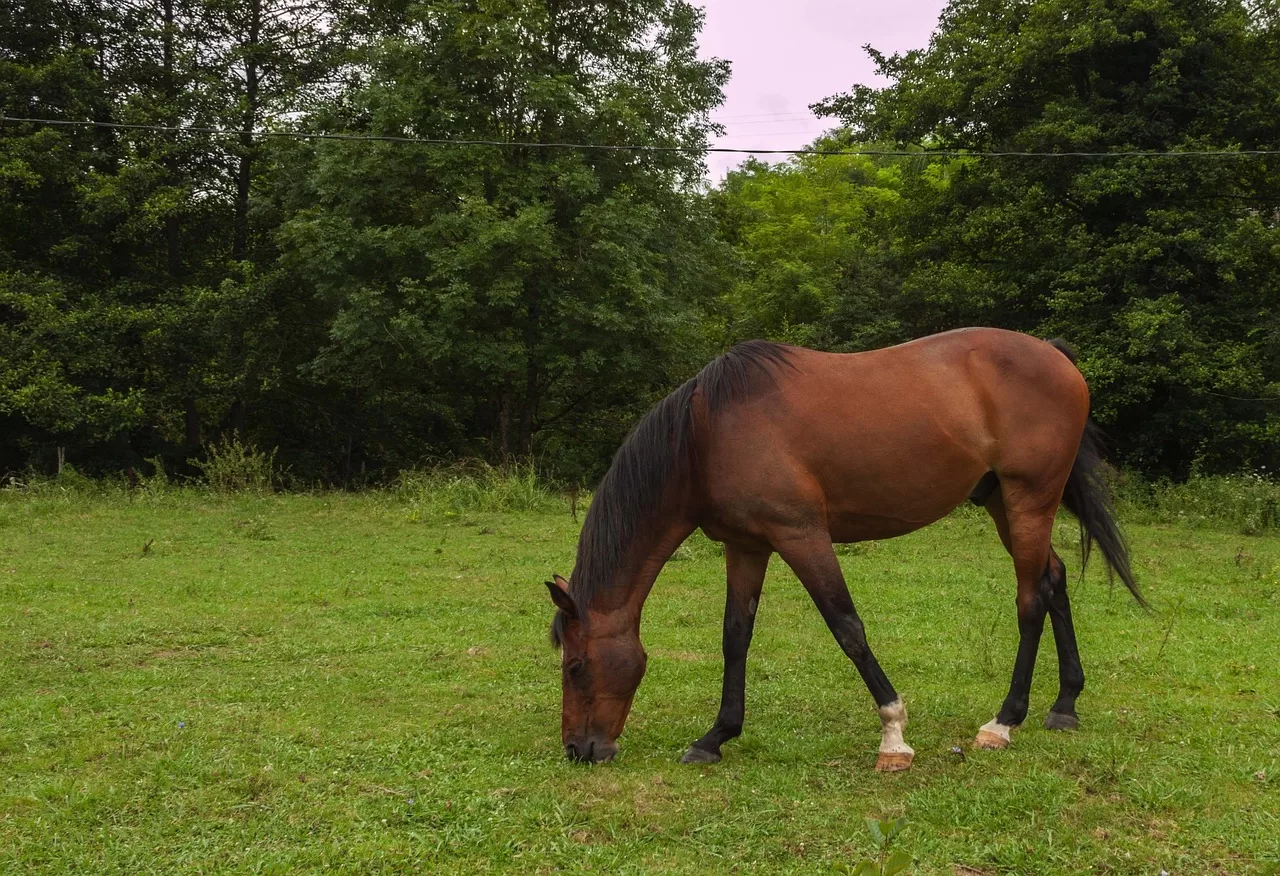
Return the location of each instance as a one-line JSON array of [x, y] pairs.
[[432, 274]]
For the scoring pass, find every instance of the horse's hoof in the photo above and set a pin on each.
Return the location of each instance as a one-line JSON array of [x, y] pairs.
[[700, 755], [992, 741], [1061, 721], [893, 761]]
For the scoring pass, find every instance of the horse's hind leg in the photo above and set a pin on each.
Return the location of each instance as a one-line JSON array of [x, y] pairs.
[[812, 558], [1062, 715], [745, 572], [1026, 528]]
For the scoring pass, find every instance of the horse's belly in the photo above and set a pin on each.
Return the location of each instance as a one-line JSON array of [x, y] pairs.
[[870, 527], [887, 491]]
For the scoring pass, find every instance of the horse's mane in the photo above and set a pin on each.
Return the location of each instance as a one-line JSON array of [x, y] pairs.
[[656, 456]]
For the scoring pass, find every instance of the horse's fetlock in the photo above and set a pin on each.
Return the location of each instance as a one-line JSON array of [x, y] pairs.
[[1072, 682], [1013, 712], [731, 730]]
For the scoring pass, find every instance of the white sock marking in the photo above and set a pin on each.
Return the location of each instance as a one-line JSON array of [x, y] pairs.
[[996, 728], [893, 719]]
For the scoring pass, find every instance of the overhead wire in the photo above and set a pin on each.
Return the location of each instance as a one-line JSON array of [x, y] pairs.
[[633, 147]]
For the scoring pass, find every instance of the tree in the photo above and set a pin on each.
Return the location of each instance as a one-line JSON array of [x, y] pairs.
[[508, 299], [56, 374], [815, 239], [131, 260], [1164, 271]]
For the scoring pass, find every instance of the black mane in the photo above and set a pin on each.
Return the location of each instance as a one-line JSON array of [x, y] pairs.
[[656, 455]]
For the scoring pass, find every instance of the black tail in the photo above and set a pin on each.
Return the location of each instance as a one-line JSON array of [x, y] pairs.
[[1088, 497]]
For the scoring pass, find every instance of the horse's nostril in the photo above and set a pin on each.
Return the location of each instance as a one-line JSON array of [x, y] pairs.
[[590, 751]]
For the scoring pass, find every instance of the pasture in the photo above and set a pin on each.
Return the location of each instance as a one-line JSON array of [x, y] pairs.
[[363, 684]]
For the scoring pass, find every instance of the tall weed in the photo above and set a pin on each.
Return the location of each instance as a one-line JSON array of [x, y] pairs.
[[468, 487], [1248, 503]]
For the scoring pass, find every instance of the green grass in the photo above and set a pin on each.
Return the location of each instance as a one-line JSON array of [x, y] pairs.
[[362, 684]]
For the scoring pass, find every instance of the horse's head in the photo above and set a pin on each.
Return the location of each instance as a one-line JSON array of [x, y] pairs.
[[600, 668]]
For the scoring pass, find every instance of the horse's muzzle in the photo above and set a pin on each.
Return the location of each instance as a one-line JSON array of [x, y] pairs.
[[590, 750]]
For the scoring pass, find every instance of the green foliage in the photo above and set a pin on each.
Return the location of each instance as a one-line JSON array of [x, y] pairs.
[[359, 306], [364, 306], [813, 238], [888, 861], [1249, 503], [1163, 272], [501, 297], [474, 487], [235, 467]]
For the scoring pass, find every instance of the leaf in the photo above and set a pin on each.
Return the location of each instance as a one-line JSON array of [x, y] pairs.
[[897, 863], [867, 868], [877, 833]]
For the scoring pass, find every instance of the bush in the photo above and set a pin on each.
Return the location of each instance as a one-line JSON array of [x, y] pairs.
[[233, 467]]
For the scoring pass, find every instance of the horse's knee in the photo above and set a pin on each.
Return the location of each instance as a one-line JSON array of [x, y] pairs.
[[853, 640]]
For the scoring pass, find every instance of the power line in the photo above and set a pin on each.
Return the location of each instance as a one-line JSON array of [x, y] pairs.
[[795, 114], [611, 147]]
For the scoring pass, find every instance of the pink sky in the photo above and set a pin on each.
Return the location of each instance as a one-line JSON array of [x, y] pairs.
[[786, 55]]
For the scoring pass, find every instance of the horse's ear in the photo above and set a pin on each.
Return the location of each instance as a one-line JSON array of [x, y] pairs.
[[560, 596]]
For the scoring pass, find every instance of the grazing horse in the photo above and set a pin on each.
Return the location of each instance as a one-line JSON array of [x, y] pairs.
[[778, 449]]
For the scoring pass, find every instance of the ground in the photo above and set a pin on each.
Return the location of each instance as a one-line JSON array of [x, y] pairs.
[[351, 684]]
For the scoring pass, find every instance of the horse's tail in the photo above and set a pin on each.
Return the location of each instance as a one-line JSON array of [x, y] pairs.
[[1088, 497]]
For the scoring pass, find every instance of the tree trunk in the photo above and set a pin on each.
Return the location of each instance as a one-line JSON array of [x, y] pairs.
[[244, 178], [530, 409], [236, 417], [172, 227], [244, 170], [124, 453], [504, 429], [192, 441]]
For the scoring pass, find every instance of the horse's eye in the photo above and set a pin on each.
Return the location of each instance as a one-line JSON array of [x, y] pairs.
[[575, 667]]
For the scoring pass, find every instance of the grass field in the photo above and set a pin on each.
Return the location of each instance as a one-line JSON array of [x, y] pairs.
[[355, 684]]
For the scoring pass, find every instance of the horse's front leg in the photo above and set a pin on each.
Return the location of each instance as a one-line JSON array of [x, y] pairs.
[[745, 572], [811, 556]]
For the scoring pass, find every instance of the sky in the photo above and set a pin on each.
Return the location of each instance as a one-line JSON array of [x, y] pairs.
[[786, 54]]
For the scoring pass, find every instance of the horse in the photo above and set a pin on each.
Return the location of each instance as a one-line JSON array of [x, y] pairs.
[[781, 449]]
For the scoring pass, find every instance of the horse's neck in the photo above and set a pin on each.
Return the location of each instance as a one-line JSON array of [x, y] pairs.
[[646, 557]]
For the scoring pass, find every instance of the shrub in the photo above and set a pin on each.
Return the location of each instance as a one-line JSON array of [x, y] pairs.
[[233, 467]]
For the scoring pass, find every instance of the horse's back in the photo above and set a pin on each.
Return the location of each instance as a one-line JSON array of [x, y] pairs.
[[883, 442]]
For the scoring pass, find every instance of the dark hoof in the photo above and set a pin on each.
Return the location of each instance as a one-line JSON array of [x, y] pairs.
[[700, 755], [1061, 721]]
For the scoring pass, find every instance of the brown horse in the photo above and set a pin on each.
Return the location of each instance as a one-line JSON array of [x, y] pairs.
[[781, 449]]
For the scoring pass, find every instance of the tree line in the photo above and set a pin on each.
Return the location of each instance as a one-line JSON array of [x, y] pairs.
[[371, 305]]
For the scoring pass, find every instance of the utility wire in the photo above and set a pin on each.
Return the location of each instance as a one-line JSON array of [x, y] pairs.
[[610, 147]]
